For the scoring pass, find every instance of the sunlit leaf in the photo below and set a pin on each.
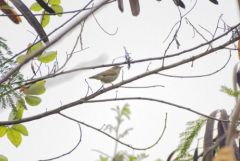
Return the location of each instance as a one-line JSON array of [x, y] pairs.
[[21, 58], [14, 137], [32, 100], [126, 111], [3, 130], [20, 128], [37, 88], [54, 2], [36, 7], [103, 158], [45, 20], [132, 158], [3, 158], [57, 9], [20, 108], [230, 91], [35, 47], [47, 56]]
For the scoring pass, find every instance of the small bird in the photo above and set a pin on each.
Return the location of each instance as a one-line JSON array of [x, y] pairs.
[[109, 75]]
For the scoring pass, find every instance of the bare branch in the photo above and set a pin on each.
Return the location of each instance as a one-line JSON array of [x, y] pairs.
[[143, 60], [74, 148], [104, 90], [125, 144], [59, 37]]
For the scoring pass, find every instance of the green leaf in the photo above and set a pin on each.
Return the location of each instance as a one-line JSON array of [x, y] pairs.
[[20, 108], [20, 128], [57, 9], [102, 158], [3, 130], [230, 91], [54, 2], [21, 58], [118, 157], [132, 158], [37, 88], [36, 7], [126, 111], [32, 100], [47, 56], [14, 137], [35, 47], [32, 49], [3, 158], [45, 20]]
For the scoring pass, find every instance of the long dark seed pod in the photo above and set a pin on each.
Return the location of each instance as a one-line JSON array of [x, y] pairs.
[[208, 138], [30, 18], [120, 5], [179, 3], [214, 1], [195, 155], [135, 7], [10, 12]]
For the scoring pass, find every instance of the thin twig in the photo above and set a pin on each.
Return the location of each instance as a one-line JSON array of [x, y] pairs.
[[74, 148], [56, 39], [104, 90], [108, 135]]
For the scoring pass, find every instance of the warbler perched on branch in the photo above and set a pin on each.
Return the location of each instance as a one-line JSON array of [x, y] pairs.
[[108, 76]]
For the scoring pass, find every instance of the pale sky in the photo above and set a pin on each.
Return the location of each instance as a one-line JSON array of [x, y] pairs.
[[143, 37]]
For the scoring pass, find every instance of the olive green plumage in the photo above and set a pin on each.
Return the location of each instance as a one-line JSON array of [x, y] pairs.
[[109, 75]]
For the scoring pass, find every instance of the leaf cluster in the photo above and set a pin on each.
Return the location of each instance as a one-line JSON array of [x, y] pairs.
[[54, 4], [45, 57], [8, 94], [187, 137], [122, 114], [230, 91]]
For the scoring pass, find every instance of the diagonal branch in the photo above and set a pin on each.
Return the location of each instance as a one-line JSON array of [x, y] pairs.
[[55, 40], [125, 144], [99, 92]]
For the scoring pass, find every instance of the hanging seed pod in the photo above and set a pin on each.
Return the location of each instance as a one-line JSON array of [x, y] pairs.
[[120, 5], [195, 155], [10, 12], [135, 7], [31, 19], [222, 127], [208, 137], [179, 3], [214, 1]]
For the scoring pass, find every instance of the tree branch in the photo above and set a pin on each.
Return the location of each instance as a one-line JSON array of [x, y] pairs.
[[99, 92], [56, 39]]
